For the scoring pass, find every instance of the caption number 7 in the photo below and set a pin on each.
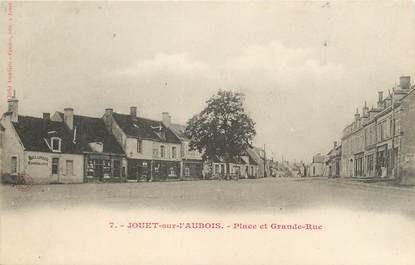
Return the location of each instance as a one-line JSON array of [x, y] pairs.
[[111, 224]]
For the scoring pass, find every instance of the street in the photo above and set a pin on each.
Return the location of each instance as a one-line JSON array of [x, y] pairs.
[[264, 195], [353, 223]]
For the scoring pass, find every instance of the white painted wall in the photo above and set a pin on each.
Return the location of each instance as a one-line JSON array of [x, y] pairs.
[[38, 165], [11, 147]]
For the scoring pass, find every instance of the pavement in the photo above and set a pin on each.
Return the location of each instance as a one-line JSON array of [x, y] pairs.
[[374, 184]]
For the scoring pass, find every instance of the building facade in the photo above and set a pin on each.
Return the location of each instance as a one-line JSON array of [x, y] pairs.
[[104, 159], [151, 148], [243, 166], [191, 160], [333, 161], [374, 145], [317, 167], [38, 150]]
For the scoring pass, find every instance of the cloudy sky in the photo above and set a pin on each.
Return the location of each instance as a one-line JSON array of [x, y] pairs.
[[304, 66]]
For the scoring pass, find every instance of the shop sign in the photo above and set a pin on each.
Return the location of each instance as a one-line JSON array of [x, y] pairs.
[[38, 160]]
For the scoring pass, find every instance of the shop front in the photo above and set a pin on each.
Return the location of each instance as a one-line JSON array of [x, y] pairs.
[[358, 165], [164, 170], [139, 170], [104, 168], [192, 169], [382, 161]]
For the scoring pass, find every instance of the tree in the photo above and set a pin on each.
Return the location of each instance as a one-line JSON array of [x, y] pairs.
[[223, 128]]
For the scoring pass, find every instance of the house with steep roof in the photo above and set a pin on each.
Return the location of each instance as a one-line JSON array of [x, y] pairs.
[[258, 155], [243, 166], [191, 160], [151, 148], [38, 150], [317, 168], [104, 158]]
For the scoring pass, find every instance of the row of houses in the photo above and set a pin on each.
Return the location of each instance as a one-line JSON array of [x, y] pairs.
[[380, 142], [70, 148]]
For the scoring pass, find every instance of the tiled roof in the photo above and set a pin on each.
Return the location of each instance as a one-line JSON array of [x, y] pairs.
[[33, 131], [91, 129], [145, 128], [179, 130], [233, 160]]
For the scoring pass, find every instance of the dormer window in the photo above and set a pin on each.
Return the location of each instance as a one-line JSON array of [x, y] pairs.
[[56, 144]]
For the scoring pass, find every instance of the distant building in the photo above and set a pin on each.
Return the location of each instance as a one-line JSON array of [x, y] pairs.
[[191, 160], [333, 161], [264, 164], [317, 167]]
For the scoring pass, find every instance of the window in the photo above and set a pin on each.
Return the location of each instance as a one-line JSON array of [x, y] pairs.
[[216, 169], [391, 128], [162, 151], [56, 144], [187, 171], [173, 152], [13, 165], [139, 146], [172, 171], [369, 163], [55, 165], [155, 152], [117, 166], [69, 167], [107, 168]]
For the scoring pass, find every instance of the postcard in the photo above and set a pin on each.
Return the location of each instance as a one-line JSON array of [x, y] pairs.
[[208, 133]]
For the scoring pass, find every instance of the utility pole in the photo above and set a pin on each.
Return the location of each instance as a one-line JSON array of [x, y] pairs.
[[265, 162]]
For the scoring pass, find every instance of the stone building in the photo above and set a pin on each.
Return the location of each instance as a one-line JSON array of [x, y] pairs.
[[374, 143], [243, 166], [151, 148], [38, 150], [333, 160], [317, 167], [191, 160], [104, 159], [406, 129]]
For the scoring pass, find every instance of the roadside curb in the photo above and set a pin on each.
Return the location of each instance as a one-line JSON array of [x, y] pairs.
[[374, 185]]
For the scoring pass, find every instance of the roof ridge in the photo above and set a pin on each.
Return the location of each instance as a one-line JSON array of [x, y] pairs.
[[139, 117]]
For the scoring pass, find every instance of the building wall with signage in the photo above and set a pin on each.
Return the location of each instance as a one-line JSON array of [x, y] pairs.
[[54, 167]]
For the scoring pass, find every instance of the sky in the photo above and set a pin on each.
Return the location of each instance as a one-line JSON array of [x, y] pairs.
[[304, 66]]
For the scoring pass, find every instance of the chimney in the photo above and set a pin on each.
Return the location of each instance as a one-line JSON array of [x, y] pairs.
[[405, 82], [365, 110], [335, 144], [108, 112], [380, 99], [166, 119], [46, 116], [68, 117], [13, 107], [108, 119], [356, 115], [380, 96], [133, 111]]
